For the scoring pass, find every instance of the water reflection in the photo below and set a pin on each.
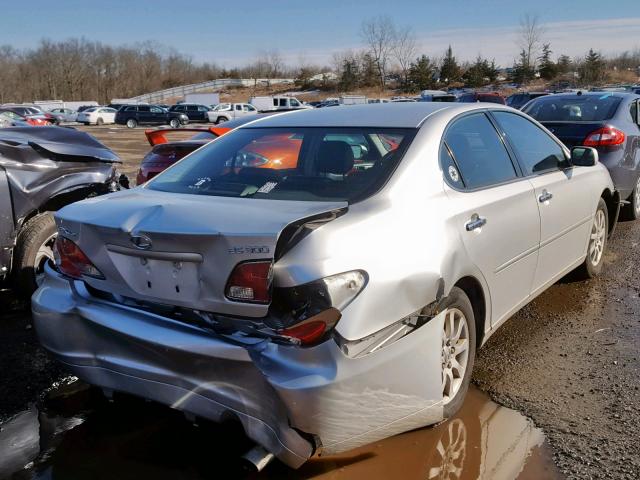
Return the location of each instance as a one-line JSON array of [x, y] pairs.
[[77, 434]]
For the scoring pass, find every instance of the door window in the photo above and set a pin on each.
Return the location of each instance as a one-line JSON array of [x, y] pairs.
[[144, 108], [295, 103], [156, 110], [239, 108], [479, 152], [536, 150], [283, 102]]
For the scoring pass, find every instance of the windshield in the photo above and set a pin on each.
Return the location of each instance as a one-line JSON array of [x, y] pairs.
[[575, 108], [306, 164]]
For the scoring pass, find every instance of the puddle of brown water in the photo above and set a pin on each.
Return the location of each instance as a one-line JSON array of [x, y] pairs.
[[77, 434]]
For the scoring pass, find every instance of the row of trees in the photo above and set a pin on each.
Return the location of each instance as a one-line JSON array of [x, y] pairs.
[[82, 69]]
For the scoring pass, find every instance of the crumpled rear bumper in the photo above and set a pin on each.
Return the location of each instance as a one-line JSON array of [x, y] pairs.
[[275, 391]]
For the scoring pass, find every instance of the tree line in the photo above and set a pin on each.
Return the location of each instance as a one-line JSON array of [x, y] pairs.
[[79, 69]]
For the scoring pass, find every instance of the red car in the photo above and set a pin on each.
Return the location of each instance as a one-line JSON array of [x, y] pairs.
[[35, 120], [165, 152], [472, 97]]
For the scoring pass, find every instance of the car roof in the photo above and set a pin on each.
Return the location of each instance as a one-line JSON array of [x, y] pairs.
[[597, 94], [389, 115]]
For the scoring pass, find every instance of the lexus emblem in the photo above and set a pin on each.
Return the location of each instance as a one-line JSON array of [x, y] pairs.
[[141, 241]]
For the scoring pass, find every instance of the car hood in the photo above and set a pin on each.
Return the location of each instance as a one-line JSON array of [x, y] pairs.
[[194, 242]]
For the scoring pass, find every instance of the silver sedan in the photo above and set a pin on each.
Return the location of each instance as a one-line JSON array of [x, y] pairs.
[[326, 276]]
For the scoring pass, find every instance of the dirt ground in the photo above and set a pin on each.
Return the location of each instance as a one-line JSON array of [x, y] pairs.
[[568, 361]]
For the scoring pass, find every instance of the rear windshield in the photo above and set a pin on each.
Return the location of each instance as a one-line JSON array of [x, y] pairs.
[[306, 164], [578, 108]]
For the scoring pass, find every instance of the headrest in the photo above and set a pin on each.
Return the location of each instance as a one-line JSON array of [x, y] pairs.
[[335, 157]]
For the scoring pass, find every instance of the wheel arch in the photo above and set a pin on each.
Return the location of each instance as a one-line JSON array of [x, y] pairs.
[[612, 200], [473, 289]]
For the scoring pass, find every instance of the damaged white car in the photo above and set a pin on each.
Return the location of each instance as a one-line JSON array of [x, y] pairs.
[[323, 277]]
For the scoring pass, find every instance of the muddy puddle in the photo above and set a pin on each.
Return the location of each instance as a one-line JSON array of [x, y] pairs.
[[75, 433]]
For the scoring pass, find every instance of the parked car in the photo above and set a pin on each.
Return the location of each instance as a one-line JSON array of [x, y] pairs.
[[436, 96], [32, 112], [32, 120], [608, 122], [42, 170], [9, 121], [223, 112], [519, 100], [97, 116], [377, 100], [471, 97], [64, 114], [165, 152], [265, 104], [195, 112], [323, 306], [134, 115]]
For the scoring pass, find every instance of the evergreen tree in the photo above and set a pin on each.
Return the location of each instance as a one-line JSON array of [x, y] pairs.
[[450, 70], [369, 76], [593, 68], [421, 74], [522, 70], [350, 75], [548, 69], [476, 74], [563, 64]]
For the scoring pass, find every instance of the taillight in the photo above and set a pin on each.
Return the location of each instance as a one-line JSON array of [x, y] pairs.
[[72, 261], [313, 329], [605, 136], [250, 282]]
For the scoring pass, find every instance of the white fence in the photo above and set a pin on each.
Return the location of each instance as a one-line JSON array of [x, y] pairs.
[[181, 91]]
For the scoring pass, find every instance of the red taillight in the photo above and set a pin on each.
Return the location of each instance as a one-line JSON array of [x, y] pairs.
[[72, 261], [605, 136], [314, 328], [250, 282]]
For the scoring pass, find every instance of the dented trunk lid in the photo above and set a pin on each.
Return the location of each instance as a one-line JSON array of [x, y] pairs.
[[179, 249]]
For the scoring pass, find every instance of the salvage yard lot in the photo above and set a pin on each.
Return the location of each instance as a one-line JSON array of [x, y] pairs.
[[569, 361]]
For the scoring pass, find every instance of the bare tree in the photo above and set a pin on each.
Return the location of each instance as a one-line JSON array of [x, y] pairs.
[[379, 36], [530, 38], [405, 51]]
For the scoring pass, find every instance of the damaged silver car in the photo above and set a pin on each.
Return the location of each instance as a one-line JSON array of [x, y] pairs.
[[323, 277]]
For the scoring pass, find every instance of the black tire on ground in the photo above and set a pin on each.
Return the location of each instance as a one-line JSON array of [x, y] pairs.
[[132, 123], [32, 236], [100, 121], [631, 211], [221, 120], [458, 299], [174, 123], [589, 269]]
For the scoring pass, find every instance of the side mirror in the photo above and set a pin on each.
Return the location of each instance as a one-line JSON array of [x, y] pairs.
[[584, 156]]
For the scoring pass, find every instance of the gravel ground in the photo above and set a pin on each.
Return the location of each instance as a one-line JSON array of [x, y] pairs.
[[569, 360]]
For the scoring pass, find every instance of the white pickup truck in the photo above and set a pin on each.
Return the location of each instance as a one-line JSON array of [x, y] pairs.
[[228, 111]]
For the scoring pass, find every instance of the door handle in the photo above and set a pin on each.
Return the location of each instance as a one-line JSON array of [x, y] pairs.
[[475, 222], [545, 196]]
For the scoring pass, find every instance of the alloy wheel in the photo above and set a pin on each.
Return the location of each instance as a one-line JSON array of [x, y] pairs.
[[43, 255], [597, 239], [455, 353]]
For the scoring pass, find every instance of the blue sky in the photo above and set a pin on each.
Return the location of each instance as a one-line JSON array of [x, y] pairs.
[[234, 32]]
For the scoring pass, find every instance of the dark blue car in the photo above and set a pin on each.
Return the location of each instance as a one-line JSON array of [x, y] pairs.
[[609, 122]]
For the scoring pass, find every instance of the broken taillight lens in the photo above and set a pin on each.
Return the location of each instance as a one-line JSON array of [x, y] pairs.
[[250, 282], [72, 261]]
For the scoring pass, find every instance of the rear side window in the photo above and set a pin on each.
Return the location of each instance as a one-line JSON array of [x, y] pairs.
[[479, 152], [574, 108], [131, 108], [142, 108], [535, 149]]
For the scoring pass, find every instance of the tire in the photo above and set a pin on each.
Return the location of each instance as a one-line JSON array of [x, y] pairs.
[[459, 306], [33, 249], [592, 265], [100, 121], [631, 211], [174, 123], [220, 120], [132, 123]]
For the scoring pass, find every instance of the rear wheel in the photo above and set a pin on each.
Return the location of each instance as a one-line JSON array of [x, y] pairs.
[[458, 350], [132, 123], [221, 120], [174, 123], [592, 265], [34, 248], [631, 211]]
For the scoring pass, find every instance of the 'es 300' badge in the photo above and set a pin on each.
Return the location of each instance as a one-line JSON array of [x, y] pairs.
[[249, 249]]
